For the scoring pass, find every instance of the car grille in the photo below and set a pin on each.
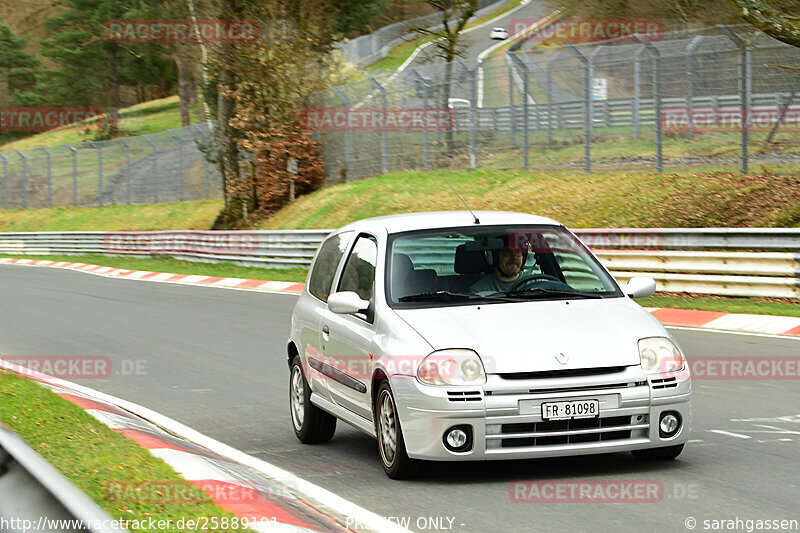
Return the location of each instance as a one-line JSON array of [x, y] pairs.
[[664, 383], [577, 389], [464, 396], [559, 432]]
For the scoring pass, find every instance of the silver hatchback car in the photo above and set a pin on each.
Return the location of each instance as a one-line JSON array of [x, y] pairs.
[[455, 336]]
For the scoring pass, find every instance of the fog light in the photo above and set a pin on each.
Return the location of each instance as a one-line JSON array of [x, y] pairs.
[[669, 424], [458, 438]]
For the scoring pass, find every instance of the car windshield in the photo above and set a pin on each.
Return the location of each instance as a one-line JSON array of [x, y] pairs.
[[470, 265]]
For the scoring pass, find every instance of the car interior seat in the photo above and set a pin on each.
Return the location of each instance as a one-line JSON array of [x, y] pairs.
[[471, 265], [407, 280]]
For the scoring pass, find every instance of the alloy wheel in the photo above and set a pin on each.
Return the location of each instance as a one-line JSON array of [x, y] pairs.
[[298, 398], [388, 428]]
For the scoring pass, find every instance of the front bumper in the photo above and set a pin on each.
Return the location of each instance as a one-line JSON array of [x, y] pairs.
[[505, 415]]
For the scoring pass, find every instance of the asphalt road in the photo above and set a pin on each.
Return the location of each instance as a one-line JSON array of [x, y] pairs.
[[476, 41], [213, 359]]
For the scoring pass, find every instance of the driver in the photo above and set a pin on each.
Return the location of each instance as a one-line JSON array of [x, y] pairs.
[[506, 270]]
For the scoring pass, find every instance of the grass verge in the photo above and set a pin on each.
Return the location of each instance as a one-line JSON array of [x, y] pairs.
[[696, 197], [176, 266], [141, 119], [198, 215], [641, 199], [753, 306], [97, 460]]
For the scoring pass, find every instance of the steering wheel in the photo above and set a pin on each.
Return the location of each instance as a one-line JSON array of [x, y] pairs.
[[523, 282]]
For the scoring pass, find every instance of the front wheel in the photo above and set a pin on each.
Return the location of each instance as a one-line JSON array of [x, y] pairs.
[[311, 424], [391, 444], [666, 453]]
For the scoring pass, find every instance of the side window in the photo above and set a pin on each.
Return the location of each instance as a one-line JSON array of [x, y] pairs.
[[359, 270], [325, 266]]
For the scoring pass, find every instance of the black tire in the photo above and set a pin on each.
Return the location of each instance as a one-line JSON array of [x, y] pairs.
[[311, 424], [667, 453], [396, 462]]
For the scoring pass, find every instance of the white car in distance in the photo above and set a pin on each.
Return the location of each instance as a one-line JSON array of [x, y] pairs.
[[498, 33]]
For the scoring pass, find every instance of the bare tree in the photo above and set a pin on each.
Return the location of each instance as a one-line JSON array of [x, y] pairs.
[[226, 109], [775, 23], [448, 42]]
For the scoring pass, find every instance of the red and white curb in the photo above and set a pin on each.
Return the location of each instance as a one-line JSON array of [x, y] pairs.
[[712, 320], [270, 498], [165, 277], [737, 322]]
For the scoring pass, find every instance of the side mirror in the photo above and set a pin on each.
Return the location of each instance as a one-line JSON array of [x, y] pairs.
[[640, 287], [347, 303]]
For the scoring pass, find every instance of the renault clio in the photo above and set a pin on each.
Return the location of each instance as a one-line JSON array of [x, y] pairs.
[[459, 336]]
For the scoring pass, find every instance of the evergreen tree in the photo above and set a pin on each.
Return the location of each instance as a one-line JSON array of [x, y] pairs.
[[91, 69], [353, 17], [14, 61]]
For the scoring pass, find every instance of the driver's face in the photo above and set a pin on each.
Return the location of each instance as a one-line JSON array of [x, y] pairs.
[[509, 262]]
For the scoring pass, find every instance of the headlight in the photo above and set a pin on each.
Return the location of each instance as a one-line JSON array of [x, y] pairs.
[[452, 367], [659, 355]]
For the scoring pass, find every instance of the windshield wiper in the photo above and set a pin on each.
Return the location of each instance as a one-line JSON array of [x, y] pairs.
[[445, 296], [546, 292]]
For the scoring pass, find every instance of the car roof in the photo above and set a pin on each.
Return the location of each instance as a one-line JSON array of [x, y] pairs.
[[446, 219]]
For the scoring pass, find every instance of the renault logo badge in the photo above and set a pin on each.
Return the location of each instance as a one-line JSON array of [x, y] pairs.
[[562, 358]]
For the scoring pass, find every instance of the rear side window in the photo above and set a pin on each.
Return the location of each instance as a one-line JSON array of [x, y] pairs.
[[325, 266]]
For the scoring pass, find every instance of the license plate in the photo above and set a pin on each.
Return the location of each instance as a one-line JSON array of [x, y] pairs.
[[571, 410]]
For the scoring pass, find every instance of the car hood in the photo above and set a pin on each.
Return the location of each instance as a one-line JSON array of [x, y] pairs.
[[540, 336]]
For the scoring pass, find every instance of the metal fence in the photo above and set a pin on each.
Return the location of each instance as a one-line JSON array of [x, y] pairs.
[[162, 167], [609, 105], [589, 106], [720, 261], [370, 48], [169, 166]]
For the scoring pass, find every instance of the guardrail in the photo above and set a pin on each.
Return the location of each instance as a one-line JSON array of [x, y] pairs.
[[265, 249], [34, 496], [615, 112], [718, 261]]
